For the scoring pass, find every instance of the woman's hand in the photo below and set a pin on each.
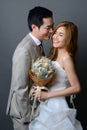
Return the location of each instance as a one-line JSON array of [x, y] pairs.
[[43, 95], [40, 94]]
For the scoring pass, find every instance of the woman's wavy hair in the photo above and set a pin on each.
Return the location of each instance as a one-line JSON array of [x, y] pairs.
[[71, 40]]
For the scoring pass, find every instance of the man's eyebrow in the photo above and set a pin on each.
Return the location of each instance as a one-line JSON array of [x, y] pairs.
[[50, 25]]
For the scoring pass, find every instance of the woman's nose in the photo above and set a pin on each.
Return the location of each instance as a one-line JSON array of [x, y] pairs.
[[55, 36]]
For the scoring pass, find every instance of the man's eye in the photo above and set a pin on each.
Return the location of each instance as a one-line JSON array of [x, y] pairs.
[[48, 28]]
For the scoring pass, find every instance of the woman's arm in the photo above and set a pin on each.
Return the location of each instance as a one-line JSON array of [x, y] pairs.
[[73, 79]]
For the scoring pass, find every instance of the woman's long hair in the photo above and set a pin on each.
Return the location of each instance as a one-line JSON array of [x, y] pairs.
[[71, 40]]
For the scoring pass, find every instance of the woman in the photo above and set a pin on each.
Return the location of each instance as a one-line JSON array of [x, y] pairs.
[[55, 113]]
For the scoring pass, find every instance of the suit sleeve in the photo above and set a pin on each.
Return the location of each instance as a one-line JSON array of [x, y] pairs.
[[20, 79]]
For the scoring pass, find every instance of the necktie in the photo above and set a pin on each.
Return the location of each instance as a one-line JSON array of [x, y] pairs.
[[40, 46], [41, 49]]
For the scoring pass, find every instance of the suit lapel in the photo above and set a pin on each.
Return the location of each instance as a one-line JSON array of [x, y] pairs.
[[37, 50]]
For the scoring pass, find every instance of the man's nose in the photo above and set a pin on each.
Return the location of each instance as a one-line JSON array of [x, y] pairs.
[[51, 30]]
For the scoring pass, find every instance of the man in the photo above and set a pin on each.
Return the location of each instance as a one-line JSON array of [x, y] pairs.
[[40, 22]]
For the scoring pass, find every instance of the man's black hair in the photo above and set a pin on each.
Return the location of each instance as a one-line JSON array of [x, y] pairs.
[[36, 16]]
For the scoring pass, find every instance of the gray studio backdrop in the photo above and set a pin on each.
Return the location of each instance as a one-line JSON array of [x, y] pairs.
[[13, 27]]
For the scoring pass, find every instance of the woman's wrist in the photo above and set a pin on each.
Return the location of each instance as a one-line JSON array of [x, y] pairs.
[[49, 95]]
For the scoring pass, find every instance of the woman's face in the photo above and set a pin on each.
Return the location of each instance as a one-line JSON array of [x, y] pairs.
[[59, 38]]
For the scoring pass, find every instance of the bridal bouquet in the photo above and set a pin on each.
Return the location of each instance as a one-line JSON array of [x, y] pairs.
[[42, 71]]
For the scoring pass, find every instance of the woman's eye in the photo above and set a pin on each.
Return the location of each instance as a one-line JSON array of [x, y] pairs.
[[61, 34]]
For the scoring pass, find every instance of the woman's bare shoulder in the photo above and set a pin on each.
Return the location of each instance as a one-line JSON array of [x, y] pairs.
[[66, 57]]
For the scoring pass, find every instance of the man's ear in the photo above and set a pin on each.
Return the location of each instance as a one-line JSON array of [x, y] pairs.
[[34, 27]]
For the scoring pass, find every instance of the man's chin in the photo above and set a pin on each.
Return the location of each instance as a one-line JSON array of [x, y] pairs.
[[48, 38]]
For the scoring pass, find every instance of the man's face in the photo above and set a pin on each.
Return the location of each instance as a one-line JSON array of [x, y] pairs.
[[45, 30]]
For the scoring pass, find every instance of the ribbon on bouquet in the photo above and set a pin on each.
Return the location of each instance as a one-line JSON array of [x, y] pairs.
[[35, 99]]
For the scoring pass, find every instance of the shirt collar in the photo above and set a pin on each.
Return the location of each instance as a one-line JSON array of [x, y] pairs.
[[37, 42]]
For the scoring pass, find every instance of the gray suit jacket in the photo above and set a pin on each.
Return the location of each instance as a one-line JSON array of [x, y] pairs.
[[18, 103]]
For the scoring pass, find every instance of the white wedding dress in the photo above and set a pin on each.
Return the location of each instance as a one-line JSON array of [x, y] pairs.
[[55, 113]]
